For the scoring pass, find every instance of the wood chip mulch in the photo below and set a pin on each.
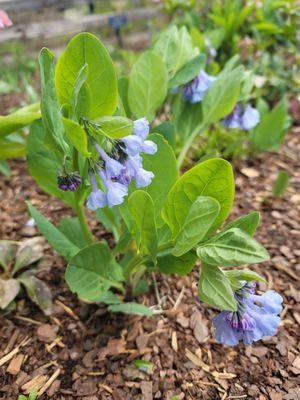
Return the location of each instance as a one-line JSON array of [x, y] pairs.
[[82, 352]]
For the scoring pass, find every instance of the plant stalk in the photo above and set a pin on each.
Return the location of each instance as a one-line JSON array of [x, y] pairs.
[[83, 223], [187, 145]]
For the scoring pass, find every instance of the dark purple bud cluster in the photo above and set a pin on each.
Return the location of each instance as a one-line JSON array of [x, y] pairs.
[[69, 182]]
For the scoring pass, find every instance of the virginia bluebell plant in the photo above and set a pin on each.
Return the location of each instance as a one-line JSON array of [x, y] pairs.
[[194, 91], [242, 117], [256, 317]]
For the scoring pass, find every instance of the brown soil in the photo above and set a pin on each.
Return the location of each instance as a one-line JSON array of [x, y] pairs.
[[91, 352]]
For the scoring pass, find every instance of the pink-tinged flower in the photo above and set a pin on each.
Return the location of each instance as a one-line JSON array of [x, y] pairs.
[[4, 20]]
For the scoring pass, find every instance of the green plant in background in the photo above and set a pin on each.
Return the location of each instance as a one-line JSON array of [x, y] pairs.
[[91, 150], [281, 184], [31, 396], [18, 261]]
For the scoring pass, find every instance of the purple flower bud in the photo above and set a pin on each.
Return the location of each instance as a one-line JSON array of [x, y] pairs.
[[194, 91], [69, 182], [141, 128], [112, 167], [256, 317]]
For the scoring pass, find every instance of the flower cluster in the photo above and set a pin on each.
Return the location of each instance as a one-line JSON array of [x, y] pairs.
[[122, 166], [194, 91], [242, 117], [4, 20], [256, 317], [69, 182]]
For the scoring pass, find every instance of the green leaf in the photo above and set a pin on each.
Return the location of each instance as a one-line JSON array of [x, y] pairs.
[[115, 127], [163, 165], [80, 81], [58, 240], [4, 168], [9, 289], [131, 308], [49, 104], [98, 95], [214, 288], [212, 178], [167, 130], [143, 365], [11, 149], [189, 117], [176, 48], [20, 119], [243, 275], [166, 46], [269, 134], [77, 136], [8, 251], [141, 208], [44, 165], [37, 291], [232, 248], [222, 96], [248, 223], [29, 252], [281, 184], [70, 227], [148, 85], [177, 265], [189, 71], [123, 85], [93, 271], [198, 222]]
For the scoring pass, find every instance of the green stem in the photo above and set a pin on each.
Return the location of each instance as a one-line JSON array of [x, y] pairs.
[[83, 223], [79, 208], [188, 144], [139, 259]]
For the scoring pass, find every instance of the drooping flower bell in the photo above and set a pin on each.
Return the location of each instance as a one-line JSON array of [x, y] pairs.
[[194, 91], [4, 20], [123, 164], [256, 317], [242, 117], [69, 182]]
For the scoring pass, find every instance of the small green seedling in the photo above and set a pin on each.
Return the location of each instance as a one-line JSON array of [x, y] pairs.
[[281, 184]]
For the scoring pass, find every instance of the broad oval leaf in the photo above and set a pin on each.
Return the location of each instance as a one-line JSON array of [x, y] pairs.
[[148, 85], [51, 115], [77, 136], [44, 164], [20, 119], [55, 237], [212, 178], [189, 71], [131, 308], [200, 218], [222, 96], [98, 95], [93, 271], [115, 127], [141, 208], [248, 223], [182, 265], [214, 288], [163, 165], [231, 248]]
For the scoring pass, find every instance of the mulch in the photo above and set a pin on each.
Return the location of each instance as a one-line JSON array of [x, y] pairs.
[[83, 352]]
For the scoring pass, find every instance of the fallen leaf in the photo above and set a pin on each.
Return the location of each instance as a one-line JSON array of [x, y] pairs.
[[250, 172], [9, 288]]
